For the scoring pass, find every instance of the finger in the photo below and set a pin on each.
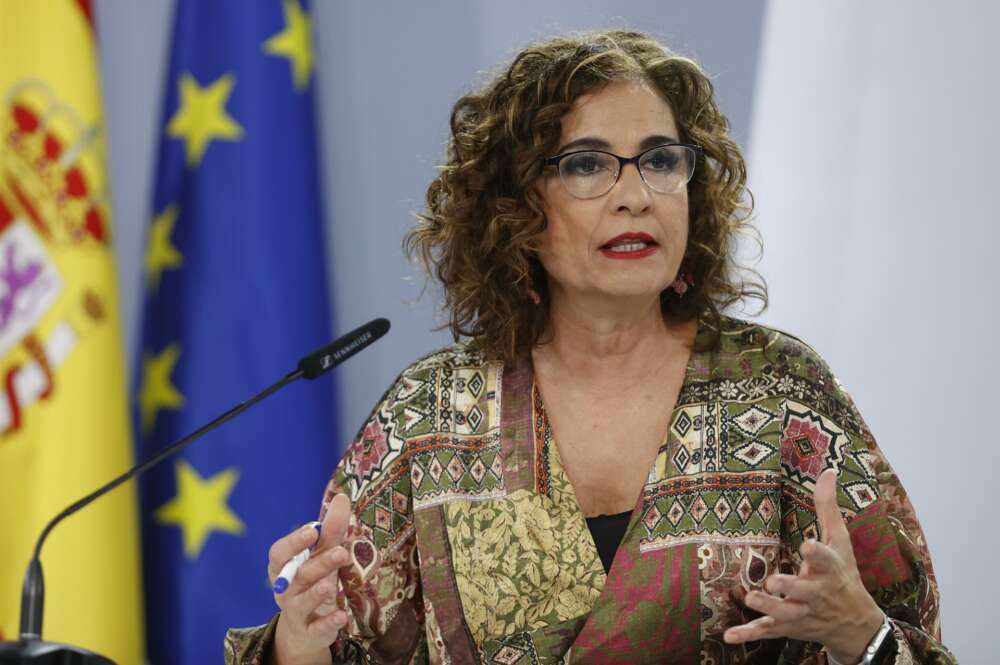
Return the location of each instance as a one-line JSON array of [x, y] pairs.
[[793, 587], [338, 514], [320, 565], [822, 559], [325, 608], [784, 611], [304, 604], [760, 628], [831, 521], [326, 628], [284, 549]]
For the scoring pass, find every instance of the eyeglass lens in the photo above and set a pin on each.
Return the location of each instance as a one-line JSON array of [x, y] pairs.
[[665, 169]]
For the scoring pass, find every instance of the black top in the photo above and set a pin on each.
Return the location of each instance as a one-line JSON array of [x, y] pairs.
[[608, 531]]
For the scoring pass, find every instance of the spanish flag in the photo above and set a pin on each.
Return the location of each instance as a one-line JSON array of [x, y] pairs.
[[64, 420]]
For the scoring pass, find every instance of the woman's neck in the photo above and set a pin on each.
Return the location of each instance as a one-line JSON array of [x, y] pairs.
[[627, 341]]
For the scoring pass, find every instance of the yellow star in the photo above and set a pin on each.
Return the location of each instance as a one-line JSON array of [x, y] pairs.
[[161, 253], [294, 43], [202, 116], [200, 507], [157, 392]]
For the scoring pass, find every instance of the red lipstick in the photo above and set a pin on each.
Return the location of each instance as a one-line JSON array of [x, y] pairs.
[[629, 246]]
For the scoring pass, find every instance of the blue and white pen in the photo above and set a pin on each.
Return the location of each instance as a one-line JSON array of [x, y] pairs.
[[288, 571]]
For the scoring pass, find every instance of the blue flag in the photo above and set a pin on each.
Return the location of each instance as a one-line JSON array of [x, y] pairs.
[[236, 292]]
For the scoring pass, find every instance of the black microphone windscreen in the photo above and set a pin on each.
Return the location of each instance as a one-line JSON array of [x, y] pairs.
[[326, 358]]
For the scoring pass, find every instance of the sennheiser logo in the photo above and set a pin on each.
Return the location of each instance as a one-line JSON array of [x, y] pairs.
[[355, 344], [326, 362]]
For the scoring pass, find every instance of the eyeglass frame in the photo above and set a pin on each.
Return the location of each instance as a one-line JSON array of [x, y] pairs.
[[622, 161]]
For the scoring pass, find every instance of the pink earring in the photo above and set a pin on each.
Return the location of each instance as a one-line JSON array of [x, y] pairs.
[[683, 282], [534, 297]]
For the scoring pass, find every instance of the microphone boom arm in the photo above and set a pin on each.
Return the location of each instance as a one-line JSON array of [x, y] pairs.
[[32, 595], [311, 366]]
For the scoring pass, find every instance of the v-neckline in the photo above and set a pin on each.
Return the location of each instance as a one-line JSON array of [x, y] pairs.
[[550, 450]]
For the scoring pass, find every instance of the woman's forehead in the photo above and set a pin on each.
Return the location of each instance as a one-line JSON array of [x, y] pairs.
[[621, 113]]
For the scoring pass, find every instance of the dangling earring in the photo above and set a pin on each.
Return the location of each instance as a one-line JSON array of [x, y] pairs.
[[535, 269], [533, 294], [683, 282]]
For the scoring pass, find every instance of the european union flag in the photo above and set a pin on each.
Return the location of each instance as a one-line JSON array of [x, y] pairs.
[[236, 293]]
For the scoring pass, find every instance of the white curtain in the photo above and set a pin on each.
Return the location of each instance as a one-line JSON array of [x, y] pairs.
[[874, 163]]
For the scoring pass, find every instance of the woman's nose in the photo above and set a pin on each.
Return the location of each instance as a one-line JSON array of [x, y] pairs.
[[630, 192]]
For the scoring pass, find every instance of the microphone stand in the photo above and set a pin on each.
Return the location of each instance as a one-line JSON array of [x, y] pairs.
[[30, 648]]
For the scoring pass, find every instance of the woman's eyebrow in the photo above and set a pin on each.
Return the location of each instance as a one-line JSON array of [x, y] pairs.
[[596, 143], [586, 142], [655, 140]]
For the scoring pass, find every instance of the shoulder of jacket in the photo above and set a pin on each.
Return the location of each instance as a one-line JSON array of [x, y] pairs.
[[457, 356], [742, 334]]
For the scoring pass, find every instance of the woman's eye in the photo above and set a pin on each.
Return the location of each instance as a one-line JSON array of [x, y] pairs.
[[583, 164], [661, 160]]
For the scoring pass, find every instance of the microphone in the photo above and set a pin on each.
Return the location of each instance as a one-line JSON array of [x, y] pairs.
[[30, 648], [321, 360]]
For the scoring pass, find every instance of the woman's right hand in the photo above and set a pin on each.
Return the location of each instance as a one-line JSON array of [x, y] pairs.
[[310, 620]]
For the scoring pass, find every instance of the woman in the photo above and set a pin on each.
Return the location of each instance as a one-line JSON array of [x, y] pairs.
[[608, 470]]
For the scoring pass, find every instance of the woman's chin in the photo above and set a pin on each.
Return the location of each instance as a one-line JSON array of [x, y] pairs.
[[633, 296]]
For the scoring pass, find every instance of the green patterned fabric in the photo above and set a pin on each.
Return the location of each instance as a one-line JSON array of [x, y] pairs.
[[469, 545]]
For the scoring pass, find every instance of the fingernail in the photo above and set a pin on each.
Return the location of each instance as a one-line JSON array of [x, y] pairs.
[[319, 532]]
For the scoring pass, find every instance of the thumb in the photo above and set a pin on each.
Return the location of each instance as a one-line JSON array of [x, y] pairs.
[[335, 521], [831, 522]]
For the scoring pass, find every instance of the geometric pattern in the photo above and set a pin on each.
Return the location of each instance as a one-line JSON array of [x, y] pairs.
[[726, 507], [403, 413], [861, 494], [517, 649], [715, 437], [689, 433], [682, 424], [543, 444], [753, 453], [465, 403], [753, 420], [866, 460], [448, 469], [681, 459], [389, 513], [810, 443]]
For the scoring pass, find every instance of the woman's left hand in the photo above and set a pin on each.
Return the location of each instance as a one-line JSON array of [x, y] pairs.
[[826, 602]]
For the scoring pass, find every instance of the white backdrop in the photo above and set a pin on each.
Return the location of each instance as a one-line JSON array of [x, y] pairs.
[[871, 147], [874, 164]]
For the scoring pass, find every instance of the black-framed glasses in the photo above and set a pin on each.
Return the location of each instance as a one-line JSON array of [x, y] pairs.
[[587, 174]]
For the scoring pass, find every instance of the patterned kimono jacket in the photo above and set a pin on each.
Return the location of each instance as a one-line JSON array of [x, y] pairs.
[[469, 545]]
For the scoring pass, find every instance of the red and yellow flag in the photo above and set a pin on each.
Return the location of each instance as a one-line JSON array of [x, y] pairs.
[[64, 425]]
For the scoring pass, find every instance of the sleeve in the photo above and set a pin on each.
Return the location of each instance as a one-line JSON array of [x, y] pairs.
[[248, 646], [380, 587], [889, 545]]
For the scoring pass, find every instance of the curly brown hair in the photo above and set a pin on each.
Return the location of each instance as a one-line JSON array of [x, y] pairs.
[[480, 233]]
